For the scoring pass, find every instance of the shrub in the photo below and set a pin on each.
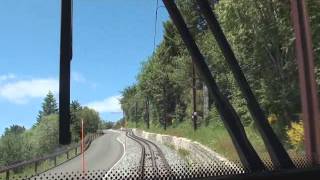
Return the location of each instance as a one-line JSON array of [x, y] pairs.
[[272, 118], [296, 135]]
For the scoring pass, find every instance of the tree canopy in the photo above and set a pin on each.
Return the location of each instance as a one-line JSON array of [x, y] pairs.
[[49, 106], [261, 35], [18, 143]]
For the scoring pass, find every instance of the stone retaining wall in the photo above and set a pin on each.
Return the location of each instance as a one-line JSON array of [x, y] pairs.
[[197, 152]]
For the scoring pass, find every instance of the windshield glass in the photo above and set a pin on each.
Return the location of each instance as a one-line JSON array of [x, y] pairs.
[[114, 89]]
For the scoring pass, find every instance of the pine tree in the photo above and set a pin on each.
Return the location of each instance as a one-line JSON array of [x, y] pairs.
[[14, 129], [75, 107], [49, 106]]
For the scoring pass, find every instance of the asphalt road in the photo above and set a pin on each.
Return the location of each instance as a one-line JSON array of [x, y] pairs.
[[102, 154]]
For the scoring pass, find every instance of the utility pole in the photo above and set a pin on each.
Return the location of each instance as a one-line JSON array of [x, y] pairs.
[[194, 95], [147, 112], [64, 81], [136, 113], [165, 109]]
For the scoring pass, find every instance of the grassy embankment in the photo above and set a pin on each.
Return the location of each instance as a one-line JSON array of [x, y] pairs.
[[214, 137]]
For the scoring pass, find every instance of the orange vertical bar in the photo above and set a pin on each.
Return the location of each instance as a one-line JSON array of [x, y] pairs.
[[82, 145]]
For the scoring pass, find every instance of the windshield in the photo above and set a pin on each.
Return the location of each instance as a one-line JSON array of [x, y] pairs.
[[150, 88]]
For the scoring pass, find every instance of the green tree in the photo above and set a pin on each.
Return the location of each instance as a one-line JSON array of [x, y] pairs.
[[261, 35], [46, 134], [14, 129], [75, 108], [119, 124], [12, 145], [49, 106], [106, 125], [91, 121]]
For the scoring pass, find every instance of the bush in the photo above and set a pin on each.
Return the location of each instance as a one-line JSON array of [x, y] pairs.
[[296, 135], [46, 134], [272, 118]]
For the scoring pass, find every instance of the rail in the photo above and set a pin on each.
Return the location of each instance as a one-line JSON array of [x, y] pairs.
[[36, 161], [143, 153], [156, 169]]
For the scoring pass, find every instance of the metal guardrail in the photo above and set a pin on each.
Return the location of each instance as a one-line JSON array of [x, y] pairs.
[[36, 161]]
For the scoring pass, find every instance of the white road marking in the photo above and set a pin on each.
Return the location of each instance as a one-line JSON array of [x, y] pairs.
[[124, 152]]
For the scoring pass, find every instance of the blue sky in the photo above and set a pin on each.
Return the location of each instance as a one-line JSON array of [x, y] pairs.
[[111, 39]]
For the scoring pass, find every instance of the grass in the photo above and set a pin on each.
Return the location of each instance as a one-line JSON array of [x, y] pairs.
[[171, 146], [183, 152], [42, 167], [214, 137]]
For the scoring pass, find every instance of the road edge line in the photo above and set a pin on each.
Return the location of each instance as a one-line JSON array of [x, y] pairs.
[[124, 152]]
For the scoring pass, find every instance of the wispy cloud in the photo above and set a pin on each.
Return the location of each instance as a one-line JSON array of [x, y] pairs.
[[109, 105], [6, 77], [22, 91], [78, 77]]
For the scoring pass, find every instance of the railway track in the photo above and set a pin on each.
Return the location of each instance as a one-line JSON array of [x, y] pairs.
[[153, 163]]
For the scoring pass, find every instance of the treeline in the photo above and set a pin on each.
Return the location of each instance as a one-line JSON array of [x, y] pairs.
[[17, 143], [261, 35]]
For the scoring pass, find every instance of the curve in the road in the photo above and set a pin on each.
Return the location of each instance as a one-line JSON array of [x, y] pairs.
[[123, 154], [102, 154]]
